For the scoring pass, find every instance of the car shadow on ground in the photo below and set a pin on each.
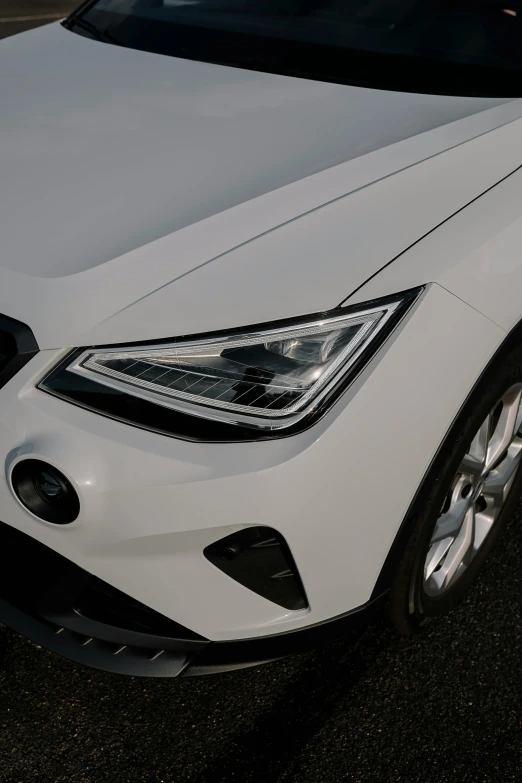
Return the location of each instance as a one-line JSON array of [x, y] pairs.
[[319, 682], [274, 712]]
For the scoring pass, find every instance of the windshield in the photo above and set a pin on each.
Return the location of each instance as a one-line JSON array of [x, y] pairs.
[[428, 46]]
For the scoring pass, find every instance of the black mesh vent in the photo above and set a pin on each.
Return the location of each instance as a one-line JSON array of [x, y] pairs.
[[17, 346]]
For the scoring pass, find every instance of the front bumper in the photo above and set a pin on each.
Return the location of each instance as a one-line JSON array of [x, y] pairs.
[[81, 618], [338, 492]]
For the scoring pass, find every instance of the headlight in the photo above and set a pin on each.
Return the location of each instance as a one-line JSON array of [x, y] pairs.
[[267, 379]]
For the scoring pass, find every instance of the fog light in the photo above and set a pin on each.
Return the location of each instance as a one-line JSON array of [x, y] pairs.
[[45, 491]]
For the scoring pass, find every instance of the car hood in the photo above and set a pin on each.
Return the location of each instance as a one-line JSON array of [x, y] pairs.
[[123, 171]]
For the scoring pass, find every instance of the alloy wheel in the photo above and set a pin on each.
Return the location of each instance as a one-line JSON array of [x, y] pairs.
[[477, 495]]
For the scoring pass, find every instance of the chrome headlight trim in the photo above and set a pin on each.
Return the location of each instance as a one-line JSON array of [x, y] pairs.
[[370, 324]]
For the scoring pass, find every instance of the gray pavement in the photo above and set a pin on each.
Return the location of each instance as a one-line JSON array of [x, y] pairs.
[[444, 707], [19, 15]]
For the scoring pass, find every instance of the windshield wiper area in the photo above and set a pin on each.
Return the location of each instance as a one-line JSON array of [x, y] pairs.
[[101, 35]]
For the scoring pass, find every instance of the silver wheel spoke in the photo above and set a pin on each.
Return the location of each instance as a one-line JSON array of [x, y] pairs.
[[498, 483], [494, 490], [459, 549], [449, 524], [436, 556], [475, 460], [483, 523], [506, 427], [518, 423], [471, 466]]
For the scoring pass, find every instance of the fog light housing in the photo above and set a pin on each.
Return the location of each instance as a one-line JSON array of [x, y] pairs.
[[45, 491], [260, 559]]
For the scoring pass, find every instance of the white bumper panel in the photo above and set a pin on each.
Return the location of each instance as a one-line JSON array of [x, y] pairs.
[[338, 492]]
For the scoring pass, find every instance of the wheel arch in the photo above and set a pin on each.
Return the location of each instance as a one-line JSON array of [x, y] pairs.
[[386, 575]]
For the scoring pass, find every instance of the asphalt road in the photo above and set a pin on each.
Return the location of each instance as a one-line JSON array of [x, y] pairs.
[[439, 708], [19, 15]]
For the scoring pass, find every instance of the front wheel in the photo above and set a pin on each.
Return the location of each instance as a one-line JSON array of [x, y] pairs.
[[466, 504]]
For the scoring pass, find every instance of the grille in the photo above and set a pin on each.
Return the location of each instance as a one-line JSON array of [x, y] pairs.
[[8, 349], [17, 346]]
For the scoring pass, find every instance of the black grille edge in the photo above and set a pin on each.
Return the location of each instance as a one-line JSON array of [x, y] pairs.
[[17, 346], [62, 607]]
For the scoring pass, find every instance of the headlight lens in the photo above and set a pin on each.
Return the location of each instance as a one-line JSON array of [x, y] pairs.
[[267, 379]]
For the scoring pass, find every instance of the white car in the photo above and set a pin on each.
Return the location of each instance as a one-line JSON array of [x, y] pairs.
[[260, 343]]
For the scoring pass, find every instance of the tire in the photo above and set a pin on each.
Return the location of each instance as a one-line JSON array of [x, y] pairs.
[[415, 600]]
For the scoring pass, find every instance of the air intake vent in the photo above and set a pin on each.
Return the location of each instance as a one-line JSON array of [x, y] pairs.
[[259, 558], [17, 346]]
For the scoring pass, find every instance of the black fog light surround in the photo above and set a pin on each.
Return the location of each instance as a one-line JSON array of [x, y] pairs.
[[259, 558], [45, 491]]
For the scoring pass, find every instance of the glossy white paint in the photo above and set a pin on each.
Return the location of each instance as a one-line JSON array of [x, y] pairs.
[[87, 122], [143, 197], [476, 254], [151, 503], [311, 261], [257, 281], [61, 164]]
